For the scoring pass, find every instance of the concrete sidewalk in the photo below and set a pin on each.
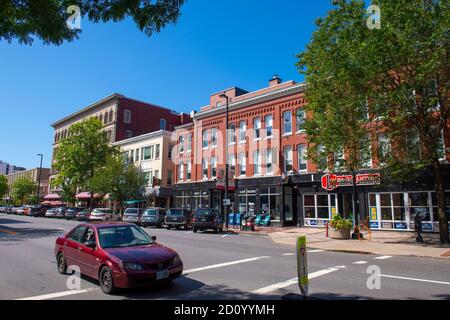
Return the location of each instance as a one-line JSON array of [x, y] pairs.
[[390, 243]]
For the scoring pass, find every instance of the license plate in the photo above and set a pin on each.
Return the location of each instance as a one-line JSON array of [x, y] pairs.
[[160, 275]]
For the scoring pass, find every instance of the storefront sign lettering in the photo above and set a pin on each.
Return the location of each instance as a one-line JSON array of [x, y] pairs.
[[331, 181]]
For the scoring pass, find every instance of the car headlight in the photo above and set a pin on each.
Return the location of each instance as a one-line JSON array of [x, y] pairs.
[[176, 260], [132, 266]]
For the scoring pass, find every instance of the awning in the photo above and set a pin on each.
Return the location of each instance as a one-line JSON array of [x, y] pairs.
[[86, 196], [52, 196], [52, 203]]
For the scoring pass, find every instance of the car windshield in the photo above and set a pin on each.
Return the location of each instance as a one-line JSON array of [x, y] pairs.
[[131, 211], [123, 236], [204, 212], [150, 212], [175, 212]]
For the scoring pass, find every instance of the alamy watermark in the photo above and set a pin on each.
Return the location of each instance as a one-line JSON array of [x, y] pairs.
[[74, 20], [374, 280]]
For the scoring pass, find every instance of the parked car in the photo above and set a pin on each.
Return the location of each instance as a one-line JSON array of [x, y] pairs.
[[3, 209], [178, 218], [61, 212], [118, 255], [132, 215], [71, 213], [83, 215], [103, 214], [21, 210], [153, 217], [51, 213], [205, 218], [36, 211]]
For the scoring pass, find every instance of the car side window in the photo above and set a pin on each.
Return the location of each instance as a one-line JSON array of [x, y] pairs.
[[78, 234], [90, 236]]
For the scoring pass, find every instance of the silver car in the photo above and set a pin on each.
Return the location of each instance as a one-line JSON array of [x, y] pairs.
[[132, 215], [51, 213], [104, 214]]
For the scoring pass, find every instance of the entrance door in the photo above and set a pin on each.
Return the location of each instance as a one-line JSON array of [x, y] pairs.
[[289, 212]]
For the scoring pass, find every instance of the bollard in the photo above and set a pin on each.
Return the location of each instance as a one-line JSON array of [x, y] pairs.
[[326, 229]]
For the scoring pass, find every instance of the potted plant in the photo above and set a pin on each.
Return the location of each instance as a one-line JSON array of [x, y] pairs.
[[340, 227]]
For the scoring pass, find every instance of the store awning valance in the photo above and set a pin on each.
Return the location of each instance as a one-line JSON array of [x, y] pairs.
[[86, 196], [52, 196]]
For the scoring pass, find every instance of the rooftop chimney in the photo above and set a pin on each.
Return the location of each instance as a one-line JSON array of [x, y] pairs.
[[274, 81]]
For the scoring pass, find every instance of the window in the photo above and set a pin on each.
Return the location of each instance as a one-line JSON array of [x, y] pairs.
[[242, 164], [162, 124], [288, 163], [269, 161], [322, 157], [110, 119], [205, 168], [188, 170], [300, 119], [213, 167], [242, 131], [181, 144], [78, 234], [231, 165], [257, 128], [441, 146], [180, 171], [319, 206], [189, 143], [156, 174], [147, 178], [287, 122], [256, 162], [301, 157], [137, 154], [147, 153], [128, 134], [169, 177], [269, 125], [232, 134], [157, 151], [205, 139], [127, 116], [214, 133], [169, 156], [384, 147]]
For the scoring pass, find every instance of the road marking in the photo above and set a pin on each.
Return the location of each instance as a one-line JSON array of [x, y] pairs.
[[414, 279], [292, 281], [225, 264], [288, 254], [340, 267], [12, 233], [313, 251], [226, 235], [382, 257], [58, 294], [360, 262]]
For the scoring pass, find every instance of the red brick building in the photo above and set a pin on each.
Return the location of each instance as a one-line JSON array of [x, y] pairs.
[[268, 170]]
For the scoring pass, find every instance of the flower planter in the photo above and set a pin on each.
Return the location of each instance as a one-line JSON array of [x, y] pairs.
[[343, 234]]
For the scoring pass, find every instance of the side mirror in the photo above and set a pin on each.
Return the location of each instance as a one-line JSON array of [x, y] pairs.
[[90, 244], [154, 238]]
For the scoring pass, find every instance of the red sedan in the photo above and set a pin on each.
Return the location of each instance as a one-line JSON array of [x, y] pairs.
[[119, 255]]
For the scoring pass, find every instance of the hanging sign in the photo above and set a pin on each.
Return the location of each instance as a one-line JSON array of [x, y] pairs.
[[332, 181]]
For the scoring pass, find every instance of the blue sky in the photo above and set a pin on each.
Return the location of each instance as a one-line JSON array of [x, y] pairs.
[[214, 45]]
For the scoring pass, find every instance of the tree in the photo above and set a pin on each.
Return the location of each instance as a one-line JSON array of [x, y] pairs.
[[3, 186], [81, 154], [22, 189], [47, 19], [119, 179], [395, 79]]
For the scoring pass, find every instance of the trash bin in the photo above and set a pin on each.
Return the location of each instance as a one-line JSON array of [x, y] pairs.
[[231, 219]]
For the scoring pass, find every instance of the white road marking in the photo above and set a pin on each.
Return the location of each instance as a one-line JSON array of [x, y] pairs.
[[288, 254], [414, 279], [340, 267], [225, 264], [360, 262], [313, 251], [382, 257], [58, 294], [292, 281]]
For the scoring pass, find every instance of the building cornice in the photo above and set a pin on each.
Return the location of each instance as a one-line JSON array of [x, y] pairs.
[[155, 134]]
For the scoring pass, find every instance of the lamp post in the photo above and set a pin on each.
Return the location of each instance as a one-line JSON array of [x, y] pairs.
[[39, 178], [224, 96]]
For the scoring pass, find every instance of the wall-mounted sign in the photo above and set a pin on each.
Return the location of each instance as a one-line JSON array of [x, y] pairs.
[[373, 214], [374, 225], [331, 181], [401, 225]]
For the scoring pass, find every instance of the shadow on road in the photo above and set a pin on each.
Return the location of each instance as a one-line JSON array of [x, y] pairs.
[[11, 221], [10, 234]]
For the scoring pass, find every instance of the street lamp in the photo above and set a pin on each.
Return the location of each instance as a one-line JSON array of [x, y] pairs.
[[39, 178], [224, 96]]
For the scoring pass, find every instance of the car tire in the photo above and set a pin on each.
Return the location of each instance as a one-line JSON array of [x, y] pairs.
[[216, 230], [168, 227], [106, 281], [194, 230], [61, 263]]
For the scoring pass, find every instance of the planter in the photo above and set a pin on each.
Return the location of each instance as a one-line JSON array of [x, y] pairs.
[[343, 234]]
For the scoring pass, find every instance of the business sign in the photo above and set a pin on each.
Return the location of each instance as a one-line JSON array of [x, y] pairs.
[[373, 214], [332, 181], [302, 265], [226, 202]]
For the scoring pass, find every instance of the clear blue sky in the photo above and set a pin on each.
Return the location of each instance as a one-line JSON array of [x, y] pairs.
[[214, 45]]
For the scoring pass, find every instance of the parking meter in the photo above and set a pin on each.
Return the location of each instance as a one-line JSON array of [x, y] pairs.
[[418, 227]]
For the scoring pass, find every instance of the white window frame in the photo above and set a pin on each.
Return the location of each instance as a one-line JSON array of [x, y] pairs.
[[242, 131], [127, 116], [268, 120], [242, 161], [302, 156], [302, 110], [257, 128]]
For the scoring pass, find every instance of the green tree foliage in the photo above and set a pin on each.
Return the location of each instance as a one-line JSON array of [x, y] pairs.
[[46, 19], [3, 186], [81, 154], [397, 77], [121, 180], [22, 189]]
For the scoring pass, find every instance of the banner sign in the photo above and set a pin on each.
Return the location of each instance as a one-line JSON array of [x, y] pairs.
[[331, 181], [302, 265]]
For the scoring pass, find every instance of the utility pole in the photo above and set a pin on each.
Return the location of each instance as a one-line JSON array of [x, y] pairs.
[[224, 95], [39, 179]]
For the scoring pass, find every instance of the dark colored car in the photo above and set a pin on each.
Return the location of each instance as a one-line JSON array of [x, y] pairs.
[[117, 254], [71, 213], [37, 211], [178, 218], [153, 217], [83, 215], [61, 212], [205, 218]]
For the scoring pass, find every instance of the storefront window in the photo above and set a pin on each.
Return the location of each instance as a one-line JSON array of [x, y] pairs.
[[419, 205], [318, 208], [182, 200], [309, 206], [288, 205], [269, 202]]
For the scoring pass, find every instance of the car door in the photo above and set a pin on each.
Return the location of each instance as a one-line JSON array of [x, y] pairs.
[[72, 244], [87, 256]]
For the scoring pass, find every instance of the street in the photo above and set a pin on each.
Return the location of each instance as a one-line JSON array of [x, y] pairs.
[[217, 266]]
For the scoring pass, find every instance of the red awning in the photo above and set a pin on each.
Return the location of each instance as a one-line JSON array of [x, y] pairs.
[[52, 203], [52, 196], [86, 196]]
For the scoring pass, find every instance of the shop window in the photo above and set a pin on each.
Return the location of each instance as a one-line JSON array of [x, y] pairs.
[[270, 203], [419, 205], [319, 206]]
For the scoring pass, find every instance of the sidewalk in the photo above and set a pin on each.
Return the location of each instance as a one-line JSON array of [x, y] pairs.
[[383, 242]]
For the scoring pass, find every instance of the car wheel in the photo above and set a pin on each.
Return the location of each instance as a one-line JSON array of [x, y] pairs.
[[106, 281], [216, 230], [168, 227], [194, 230], [61, 264]]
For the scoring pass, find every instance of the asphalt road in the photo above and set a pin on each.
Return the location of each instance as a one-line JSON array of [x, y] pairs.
[[217, 266]]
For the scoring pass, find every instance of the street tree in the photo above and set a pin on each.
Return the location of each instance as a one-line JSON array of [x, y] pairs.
[[81, 154], [23, 189], [118, 178], [47, 19], [3, 186], [362, 81]]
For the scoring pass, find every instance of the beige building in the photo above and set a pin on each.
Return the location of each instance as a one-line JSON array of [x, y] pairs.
[[33, 175], [151, 153]]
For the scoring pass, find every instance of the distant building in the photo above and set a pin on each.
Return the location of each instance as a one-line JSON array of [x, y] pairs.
[[7, 168], [33, 175]]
